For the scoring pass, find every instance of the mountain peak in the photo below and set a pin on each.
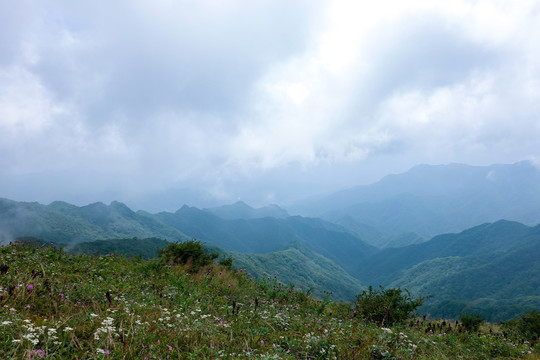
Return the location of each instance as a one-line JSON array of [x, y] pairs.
[[241, 210]]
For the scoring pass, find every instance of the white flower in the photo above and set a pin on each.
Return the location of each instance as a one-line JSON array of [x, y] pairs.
[[7, 322], [387, 330]]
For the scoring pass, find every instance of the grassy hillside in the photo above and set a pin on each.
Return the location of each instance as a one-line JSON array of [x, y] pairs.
[[145, 248], [60, 306]]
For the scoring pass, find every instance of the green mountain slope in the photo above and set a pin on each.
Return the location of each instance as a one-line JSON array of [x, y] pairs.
[[63, 223], [268, 234], [304, 269], [482, 240], [492, 269]]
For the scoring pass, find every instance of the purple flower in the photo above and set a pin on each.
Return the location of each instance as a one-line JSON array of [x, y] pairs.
[[30, 287]]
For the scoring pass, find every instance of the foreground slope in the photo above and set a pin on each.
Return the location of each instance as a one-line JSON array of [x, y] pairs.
[[61, 306]]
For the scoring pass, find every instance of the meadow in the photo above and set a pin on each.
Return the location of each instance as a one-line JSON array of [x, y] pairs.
[[57, 305]]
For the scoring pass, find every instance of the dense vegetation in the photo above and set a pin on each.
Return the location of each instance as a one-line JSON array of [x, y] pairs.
[[56, 305], [491, 269]]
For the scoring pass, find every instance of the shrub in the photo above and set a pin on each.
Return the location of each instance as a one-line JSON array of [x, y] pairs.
[[228, 262], [386, 306], [190, 253], [471, 322], [526, 326]]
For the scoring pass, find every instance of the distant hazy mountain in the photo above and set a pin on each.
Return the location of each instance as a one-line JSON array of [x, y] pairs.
[[430, 200], [241, 210], [491, 268]]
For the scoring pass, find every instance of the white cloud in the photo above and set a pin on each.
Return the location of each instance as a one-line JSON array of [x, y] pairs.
[[173, 92]]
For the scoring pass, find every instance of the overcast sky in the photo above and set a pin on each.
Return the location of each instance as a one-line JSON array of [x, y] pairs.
[[210, 102]]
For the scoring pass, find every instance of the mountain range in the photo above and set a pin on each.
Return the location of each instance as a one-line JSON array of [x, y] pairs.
[[429, 200], [435, 230]]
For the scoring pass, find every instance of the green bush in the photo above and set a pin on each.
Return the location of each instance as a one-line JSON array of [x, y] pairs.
[[228, 262], [526, 326], [471, 322], [386, 306], [191, 253]]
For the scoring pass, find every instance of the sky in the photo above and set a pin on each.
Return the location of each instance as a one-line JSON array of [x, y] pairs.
[[160, 103]]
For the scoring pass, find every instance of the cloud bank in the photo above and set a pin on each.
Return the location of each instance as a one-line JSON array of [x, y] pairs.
[[259, 99]]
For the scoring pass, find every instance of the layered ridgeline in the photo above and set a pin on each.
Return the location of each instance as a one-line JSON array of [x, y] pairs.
[[491, 269], [430, 200], [323, 251]]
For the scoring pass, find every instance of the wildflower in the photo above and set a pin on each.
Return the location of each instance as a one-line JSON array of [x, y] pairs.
[[170, 347], [387, 330], [67, 328], [30, 287]]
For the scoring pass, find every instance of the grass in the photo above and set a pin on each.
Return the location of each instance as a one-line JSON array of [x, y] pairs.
[[55, 305]]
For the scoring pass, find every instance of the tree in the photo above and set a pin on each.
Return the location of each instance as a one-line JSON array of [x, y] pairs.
[[190, 253]]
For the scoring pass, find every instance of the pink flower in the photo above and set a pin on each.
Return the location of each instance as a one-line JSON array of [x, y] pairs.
[[30, 287]]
